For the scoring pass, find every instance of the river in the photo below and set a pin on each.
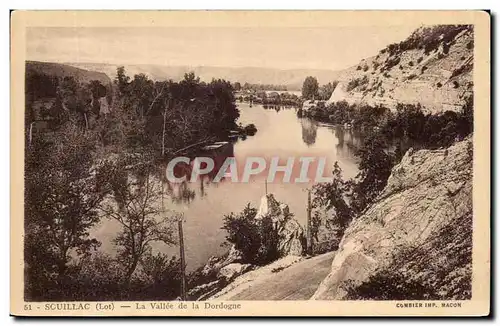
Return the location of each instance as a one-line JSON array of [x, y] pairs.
[[280, 133]]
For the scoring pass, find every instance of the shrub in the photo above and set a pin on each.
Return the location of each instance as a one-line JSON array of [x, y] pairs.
[[250, 129], [391, 62], [439, 85], [411, 76], [420, 59], [256, 239], [424, 68], [356, 82], [455, 84], [410, 63], [358, 68]]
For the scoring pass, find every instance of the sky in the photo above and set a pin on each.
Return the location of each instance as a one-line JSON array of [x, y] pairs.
[[270, 47]]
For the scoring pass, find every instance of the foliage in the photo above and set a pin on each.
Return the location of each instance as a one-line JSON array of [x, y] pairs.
[[375, 168], [427, 38], [264, 87], [136, 207], [356, 82], [62, 195], [332, 196], [310, 88], [325, 91], [256, 239]]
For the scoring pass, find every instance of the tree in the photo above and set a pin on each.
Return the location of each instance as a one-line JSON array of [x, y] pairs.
[[325, 91], [137, 208], [256, 239], [62, 197], [332, 196], [122, 80], [375, 168], [310, 88], [237, 86]]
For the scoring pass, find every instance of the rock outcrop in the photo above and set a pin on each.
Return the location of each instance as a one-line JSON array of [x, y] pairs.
[[291, 239], [419, 231], [433, 67], [220, 271]]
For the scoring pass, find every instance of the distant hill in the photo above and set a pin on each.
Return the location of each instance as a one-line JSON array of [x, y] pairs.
[[62, 70], [433, 67], [292, 78]]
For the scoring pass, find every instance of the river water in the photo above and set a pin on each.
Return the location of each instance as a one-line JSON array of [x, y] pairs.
[[280, 133]]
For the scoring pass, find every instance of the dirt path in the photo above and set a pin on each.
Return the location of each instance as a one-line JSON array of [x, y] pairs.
[[297, 282]]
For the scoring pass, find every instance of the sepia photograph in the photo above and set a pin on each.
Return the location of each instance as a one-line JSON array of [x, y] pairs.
[[220, 162]]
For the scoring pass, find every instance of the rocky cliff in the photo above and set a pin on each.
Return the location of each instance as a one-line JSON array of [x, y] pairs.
[[433, 67], [415, 241]]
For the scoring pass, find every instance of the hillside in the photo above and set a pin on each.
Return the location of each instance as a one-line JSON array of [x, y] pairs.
[[61, 70], [292, 78], [433, 67]]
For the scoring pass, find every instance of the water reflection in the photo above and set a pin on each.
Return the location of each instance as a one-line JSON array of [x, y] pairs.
[[309, 131]]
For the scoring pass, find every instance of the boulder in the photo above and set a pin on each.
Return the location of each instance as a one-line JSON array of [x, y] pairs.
[[231, 271], [215, 263]]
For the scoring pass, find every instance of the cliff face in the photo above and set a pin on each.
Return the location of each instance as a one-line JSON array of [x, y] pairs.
[[433, 67], [415, 241]]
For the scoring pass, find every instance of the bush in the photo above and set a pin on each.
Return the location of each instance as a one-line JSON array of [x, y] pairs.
[[356, 82], [439, 85], [420, 59], [424, 68], [256, 239], [410, 63], [391, 62], [455, 84], [250, 129]]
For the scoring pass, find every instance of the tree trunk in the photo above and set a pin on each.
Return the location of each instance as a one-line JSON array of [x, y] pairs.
[[163, 133], [86, 121], [130, 272]]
